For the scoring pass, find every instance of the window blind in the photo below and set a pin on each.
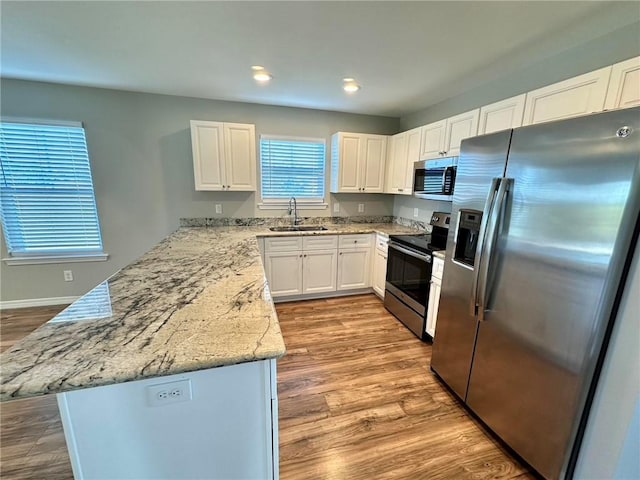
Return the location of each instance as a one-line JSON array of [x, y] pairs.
[[292, 168], [47, 202]]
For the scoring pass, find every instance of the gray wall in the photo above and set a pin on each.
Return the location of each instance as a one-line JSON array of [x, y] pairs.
[[612, 437], [140, 150], [614, 47]]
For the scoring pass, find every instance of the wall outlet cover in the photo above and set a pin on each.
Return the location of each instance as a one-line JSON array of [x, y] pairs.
[[416, 212], [218, 208], [361, 208], [171, 392], [68, 275], [336, 207]]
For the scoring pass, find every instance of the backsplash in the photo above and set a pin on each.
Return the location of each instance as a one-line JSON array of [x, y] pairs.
[[277, 221]]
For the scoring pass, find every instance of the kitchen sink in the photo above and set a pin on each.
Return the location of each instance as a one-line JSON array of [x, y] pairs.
[[298, 228]]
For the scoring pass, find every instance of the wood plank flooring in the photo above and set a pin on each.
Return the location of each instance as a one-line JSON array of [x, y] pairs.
[[357, 401], [32, 444]]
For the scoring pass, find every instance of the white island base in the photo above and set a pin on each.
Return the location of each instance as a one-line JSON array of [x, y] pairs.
[[220, 423]]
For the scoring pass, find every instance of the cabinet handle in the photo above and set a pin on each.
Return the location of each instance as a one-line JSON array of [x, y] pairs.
[[305, 255], [340, 253], [401, 190], [300, 255], [355, 241]]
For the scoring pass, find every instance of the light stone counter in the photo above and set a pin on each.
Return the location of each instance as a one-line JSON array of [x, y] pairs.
[[196, 301]]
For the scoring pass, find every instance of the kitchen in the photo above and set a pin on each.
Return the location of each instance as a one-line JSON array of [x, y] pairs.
[[149, 177]]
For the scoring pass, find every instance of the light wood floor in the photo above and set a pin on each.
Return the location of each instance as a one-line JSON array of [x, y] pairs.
[[357, 401]]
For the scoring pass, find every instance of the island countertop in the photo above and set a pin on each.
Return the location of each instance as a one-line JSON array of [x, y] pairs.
[[197, 300]]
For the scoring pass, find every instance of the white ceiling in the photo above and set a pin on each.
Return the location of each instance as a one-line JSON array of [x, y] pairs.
[[406, 55]]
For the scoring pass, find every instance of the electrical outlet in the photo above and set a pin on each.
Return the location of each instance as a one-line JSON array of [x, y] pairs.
[[166, 393], [361, 208], [416, 212], [218, 208], [336, 207], [68, 275]]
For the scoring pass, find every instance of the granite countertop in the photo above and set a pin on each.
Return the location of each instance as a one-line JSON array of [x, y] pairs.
[[197, 300]]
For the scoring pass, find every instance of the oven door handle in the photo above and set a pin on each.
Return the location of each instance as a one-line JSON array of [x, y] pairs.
[[411, 253]]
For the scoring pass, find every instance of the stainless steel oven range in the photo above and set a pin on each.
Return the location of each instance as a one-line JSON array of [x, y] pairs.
[[408, 278]]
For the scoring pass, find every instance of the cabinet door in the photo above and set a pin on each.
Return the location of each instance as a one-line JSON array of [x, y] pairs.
[[240, 153], [372, 158], [432, 144], [353, 269], [284, 273], [379, 272], [460, 127], [207, 142], [576, 96], [396, 168], [434, 303], [349, 151], [624, 86], [502, 115], [319, 271], [414, 138]]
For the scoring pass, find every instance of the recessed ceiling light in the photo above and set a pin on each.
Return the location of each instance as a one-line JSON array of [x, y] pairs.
[[260, 74], [350, 85]]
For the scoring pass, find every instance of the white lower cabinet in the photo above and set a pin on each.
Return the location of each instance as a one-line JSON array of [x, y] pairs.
[[319, 271], [318, 265], [284, 272], [353, 268], [434, 296], [301, 265], [379, 276]]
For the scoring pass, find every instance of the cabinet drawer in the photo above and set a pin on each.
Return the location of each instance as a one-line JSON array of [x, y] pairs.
[[438, 268], [282, 244], [355, 241], [320, 242], [382, 243]]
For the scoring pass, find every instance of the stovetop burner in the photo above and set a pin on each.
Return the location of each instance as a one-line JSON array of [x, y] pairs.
[[425, 242]]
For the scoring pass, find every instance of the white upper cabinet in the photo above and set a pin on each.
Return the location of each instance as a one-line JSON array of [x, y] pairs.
[[624, 86], [432, 145], [224, 156], [502, 115], [240, 153], [404, 150], [358, 162], [442, 139], [576, 96], [460, 127]]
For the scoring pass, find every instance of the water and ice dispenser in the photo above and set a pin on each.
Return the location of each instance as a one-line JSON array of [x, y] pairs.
[[467, 240]]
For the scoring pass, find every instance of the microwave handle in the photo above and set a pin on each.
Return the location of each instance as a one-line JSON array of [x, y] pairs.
[[445, 190]]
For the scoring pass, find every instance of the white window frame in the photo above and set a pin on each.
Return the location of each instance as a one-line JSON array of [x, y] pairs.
[[23, 258], [306, 203]]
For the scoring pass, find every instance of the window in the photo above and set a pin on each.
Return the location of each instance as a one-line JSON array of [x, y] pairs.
[[292, 167], [47, 204]]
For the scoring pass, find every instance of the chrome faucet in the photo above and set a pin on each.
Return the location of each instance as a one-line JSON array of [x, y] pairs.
[[295, 220]]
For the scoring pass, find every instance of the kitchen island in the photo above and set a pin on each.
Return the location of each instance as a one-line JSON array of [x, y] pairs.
[[167, 369]]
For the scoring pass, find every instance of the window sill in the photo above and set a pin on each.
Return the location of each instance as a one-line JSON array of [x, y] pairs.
[[300, 206], [66, 258]]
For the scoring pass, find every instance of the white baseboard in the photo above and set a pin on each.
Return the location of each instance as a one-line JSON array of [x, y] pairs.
[[36, 302]]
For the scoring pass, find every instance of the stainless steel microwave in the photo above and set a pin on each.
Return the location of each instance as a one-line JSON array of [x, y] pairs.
[[435, 179]]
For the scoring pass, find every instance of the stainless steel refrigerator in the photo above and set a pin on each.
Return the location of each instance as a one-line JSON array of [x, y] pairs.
[[546, 218]]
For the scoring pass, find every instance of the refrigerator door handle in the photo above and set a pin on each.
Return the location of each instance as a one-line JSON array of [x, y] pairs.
[[488, 208], [494, 221]]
